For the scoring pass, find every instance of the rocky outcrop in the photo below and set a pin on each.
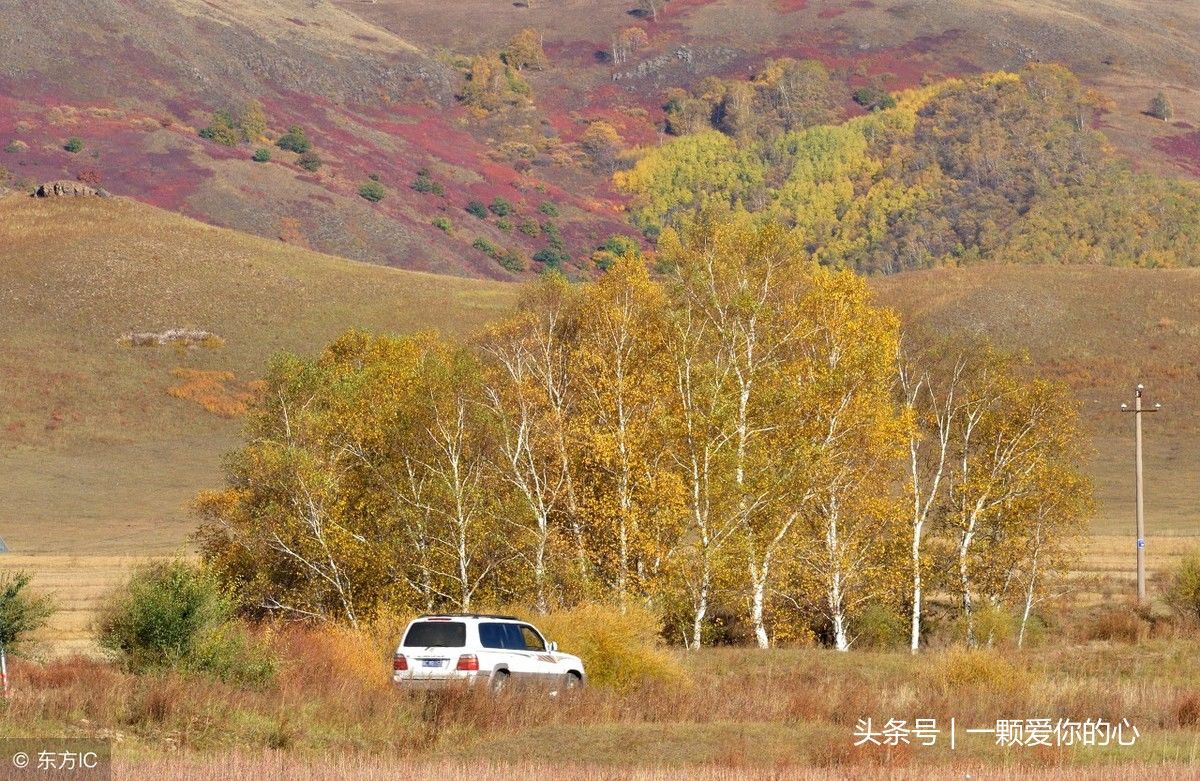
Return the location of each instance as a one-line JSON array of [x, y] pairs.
[[67, 189]]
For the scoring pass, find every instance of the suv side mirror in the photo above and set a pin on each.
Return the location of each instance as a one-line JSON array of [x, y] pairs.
[[552, 646]]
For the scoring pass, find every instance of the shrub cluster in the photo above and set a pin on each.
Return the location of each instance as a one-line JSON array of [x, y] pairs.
[[620, 649], [174, 615]]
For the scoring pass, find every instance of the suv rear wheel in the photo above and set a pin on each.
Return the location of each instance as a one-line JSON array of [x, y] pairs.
[[499, 681]]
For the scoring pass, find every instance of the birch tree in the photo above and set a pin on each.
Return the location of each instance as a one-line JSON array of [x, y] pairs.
[[849, 434], [746, 283]]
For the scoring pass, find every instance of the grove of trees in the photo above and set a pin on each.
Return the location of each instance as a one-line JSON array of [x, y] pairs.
[[1000, 167], [742, 442]]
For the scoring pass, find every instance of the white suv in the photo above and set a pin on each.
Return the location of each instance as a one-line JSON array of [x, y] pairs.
[[473, 648]]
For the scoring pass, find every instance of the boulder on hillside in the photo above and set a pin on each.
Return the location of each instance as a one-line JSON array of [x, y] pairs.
[[67, 189]]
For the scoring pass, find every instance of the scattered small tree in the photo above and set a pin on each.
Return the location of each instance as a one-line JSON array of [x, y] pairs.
[[221, 129], [21, 614], [425, 184], [373, 191], [548, 208], [513, 261], [478, 209], [253, 120], [525, 51], [262, 155], [73, 145], [601, 142], [294, 140], [501, 207], [628, 41], [310, 161], [443, 224], [1160, 107], [874, 98]]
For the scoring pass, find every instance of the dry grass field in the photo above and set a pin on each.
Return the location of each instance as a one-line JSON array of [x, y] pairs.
[[270, 767], [726, 713]]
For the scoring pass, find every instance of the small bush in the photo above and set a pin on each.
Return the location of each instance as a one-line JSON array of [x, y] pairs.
[[987, 670], [222, 130], [1160, 107], [505, 225], [880, 628], [73, 145], [513, 261], [15, 147], [618, 649], [373, 191], [550, 257], [294, 140], [423, 184], [443, 224], [549, 209], [487, 247], [174, 615], [530, 227], [874, 98], [501, 207], [158, 617], [1183, 588], [310, 161], [478, 209], [261, 155]]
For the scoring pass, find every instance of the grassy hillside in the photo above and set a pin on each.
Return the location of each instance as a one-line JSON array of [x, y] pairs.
[[96, 455], [374, 83]]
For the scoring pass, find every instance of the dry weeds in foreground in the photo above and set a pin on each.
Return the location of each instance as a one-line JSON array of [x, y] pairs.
[[281, 767]]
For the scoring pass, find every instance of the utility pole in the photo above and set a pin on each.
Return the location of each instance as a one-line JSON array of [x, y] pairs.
[[1137, 487]]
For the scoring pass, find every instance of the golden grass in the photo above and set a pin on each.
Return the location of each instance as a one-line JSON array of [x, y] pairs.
[[737, 711], [269, 766]]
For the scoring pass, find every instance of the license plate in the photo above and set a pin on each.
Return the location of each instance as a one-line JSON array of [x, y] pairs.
[[431, 662]]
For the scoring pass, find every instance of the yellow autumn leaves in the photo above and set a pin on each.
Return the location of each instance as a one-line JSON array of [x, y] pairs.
[[723, 440]]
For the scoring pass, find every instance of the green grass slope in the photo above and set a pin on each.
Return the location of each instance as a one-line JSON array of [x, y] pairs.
[[96, 457]]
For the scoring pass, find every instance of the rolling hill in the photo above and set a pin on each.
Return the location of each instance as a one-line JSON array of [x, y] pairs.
[[106, 442], [375, 84], [96, 456]]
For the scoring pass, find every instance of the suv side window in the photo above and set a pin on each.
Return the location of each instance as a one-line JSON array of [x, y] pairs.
[[513, 640], [532, 640], [498, 635], [492, 635]]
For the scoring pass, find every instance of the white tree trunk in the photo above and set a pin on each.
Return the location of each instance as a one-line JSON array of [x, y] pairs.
[[758, 580]]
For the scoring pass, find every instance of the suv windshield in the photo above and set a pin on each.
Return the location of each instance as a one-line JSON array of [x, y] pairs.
[[436, 634]]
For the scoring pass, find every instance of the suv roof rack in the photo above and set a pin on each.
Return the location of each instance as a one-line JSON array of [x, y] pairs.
[[468, 615]]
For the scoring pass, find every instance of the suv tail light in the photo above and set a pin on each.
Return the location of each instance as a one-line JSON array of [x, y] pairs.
[[468, 662], [399, 663]]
